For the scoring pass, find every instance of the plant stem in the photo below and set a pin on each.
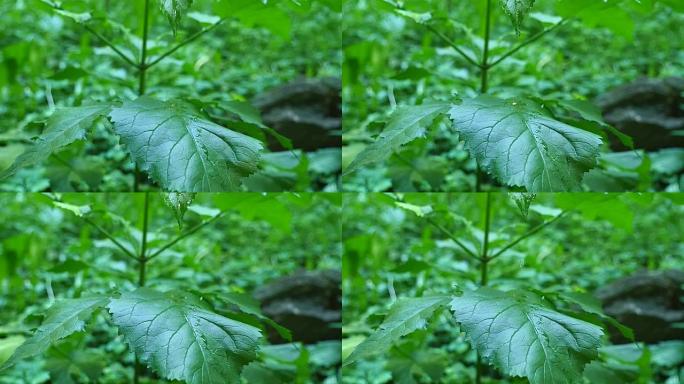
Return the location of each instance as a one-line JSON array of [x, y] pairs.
[[111, 45], [525, 236], [531, 40], [142, 78], [453, 45], [142, 262], [143, 55], [484, 69], [184, 235], [484, 260], [143, 244], [111, 237], [184, 43], [468, 252], [484, 79]]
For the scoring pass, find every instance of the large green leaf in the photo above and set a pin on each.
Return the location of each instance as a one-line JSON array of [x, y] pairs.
[[182, 150], [405, 316], [180, 338], [174, 10], [517, 10], [64, 127], [63, 319], [406, 124], [523, 336], [521, 145]]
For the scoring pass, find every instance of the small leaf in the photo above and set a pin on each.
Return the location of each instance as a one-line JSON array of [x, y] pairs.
[[419, 210], [405, 316], [174, 10], [64, 318], [522, 335], [77, 17], [179, 202], [519, 144], [181, 339], [64, 127], [182, 150], [517, 10], [78, 210], [406, 124]]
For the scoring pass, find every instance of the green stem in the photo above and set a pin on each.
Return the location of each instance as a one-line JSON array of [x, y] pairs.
[[111, 237], [484, 261], [468, 252], [183, 235], [142, 263], [485, 52], [484, 78], [111, 45], [143, 56], [142, 78], [525, 236], [184, 43], [453, 45], [531, 40]]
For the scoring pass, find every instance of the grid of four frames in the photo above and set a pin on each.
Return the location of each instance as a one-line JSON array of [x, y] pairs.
[[333, 191]]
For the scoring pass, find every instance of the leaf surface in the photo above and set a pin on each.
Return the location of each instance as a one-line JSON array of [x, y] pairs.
[[523, 336], [181, 339], [406, 124], [181, 150], [405, 316], [518, 143], [64, 318], [64, 127]]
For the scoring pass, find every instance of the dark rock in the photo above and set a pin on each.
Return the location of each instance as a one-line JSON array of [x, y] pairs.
[[307, 303], [307, 111], [648, 302], [649, 110]]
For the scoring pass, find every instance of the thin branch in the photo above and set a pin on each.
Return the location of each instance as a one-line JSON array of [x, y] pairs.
[[531, 40], [111, 237], [184, 43], [184, 235], [455, 46], [454, 238], [111, 45], [526, 235]]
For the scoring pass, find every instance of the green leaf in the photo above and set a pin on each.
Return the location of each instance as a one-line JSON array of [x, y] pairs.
[[181, 339], [517, 10], [182, 150], [174, 10], [64, 127], [405, 124], [518, 143], [522, 335], [78, 210], [179, 202], [63, 319], [405, 316]]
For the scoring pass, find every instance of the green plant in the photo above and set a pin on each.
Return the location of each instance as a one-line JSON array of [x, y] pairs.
[[531, 141], [180, 334], [547, 336], [174, 141]]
